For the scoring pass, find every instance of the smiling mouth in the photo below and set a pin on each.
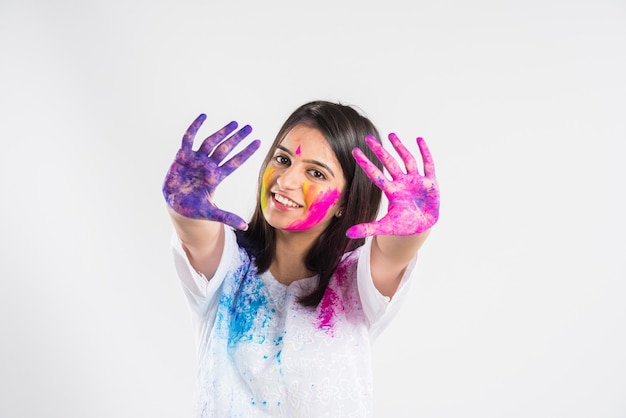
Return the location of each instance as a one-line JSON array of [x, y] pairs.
[[286, 202]]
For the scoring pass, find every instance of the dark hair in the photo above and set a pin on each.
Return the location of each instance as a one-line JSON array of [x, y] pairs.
[[344, 128]]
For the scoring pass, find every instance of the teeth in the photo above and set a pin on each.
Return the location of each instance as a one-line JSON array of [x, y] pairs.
[[286, 201]]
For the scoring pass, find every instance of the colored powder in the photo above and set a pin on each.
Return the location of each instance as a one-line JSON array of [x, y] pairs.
[[317, 209], [332, 303], [264, 184], [326, 308], [248, 312]]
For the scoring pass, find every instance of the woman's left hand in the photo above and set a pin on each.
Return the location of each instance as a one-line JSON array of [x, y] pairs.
[[413, 198]]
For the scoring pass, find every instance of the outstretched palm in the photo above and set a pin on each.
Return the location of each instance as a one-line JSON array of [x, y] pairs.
[[194, 175], [413, 198]]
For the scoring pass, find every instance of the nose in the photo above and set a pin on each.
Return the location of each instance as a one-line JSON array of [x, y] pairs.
[[289, 179]]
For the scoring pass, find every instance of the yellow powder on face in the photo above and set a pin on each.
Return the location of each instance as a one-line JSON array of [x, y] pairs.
[[310, 193], [264, 184]]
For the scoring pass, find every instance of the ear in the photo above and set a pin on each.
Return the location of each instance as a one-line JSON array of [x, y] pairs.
[[341, 208]]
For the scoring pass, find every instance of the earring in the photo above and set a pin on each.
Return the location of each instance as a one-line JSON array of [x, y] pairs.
[[339, 214]]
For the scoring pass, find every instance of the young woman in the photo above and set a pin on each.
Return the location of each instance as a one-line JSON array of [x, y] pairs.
[[286, 308]]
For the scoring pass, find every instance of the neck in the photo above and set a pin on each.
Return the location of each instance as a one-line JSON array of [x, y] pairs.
[[291, 250]]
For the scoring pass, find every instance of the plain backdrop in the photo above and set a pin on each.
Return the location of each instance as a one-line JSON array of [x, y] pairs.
[[518, 302]]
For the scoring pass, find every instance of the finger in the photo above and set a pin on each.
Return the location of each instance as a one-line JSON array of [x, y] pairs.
[[371, 171], [210, 142], [240, 158], [222, 150], [227, 218], [358, 231], [427, 158], [404, 153], [190, 134], [387, 159], [367, 230]]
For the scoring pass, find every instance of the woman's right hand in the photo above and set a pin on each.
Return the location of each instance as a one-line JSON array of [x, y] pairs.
[[194, 175]]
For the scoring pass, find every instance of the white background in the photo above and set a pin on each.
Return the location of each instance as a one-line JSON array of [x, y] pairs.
[[518, 305]]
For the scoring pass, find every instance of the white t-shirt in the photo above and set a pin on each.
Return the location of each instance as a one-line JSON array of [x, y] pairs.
[[261, 354]]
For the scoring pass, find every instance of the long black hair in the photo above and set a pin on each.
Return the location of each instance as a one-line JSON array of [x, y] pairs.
[[344, 128]]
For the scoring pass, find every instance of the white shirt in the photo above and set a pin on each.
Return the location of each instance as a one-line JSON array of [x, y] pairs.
[[261, 354]]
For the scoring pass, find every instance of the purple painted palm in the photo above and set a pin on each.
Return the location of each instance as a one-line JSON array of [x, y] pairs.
[[194, 175], [413, 198]]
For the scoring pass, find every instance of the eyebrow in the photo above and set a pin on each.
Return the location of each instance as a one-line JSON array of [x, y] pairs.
[[321, 164]]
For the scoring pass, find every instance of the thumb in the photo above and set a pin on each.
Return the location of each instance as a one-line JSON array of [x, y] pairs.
[[362, 230]]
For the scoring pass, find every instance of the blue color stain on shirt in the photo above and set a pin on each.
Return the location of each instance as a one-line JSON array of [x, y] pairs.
[[246, 305]]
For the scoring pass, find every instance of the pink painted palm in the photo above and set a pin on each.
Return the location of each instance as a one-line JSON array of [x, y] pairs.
[[413, 198]]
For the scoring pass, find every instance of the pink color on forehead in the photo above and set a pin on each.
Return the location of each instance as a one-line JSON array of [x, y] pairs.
[[298, 150]]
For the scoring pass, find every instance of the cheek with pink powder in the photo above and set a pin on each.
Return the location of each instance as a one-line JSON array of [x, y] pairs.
[[318, 204]]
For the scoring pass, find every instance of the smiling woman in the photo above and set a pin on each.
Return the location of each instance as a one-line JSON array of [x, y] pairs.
[[300, 186], [286, 307]]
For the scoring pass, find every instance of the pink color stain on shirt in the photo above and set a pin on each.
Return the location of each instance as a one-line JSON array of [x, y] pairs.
[[326, 317], [337, 302]]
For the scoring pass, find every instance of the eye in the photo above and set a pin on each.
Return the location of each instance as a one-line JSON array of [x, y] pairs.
[[281, 160], [317, 174]]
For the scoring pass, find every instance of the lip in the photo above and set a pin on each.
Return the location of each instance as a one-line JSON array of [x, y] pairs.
[[282, 206]]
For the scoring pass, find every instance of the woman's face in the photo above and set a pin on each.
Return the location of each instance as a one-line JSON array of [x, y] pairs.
[[303, 182]]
